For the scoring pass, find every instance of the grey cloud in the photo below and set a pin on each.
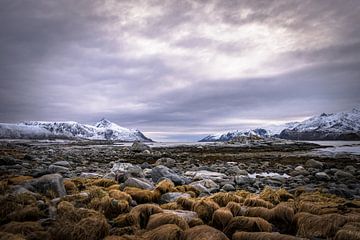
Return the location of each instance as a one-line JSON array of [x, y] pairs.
[[69, 60]]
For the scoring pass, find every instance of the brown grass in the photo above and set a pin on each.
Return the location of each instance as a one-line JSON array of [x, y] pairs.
[[187, 188], [257, 202], [110, 207], [186, 203], [170, 206], [221, 218], [28, 213], [205, 209], [70, 187], [165, 232], [143, 195], [165, 186], [262, 236], [103, 182], [159, 219], [322, 226], [19, 180], [222, 199], [195, 222], [350, 231], [140, 214], [23, 228], [275, 196], [247, 224], [204, 232], [119, 195], [10, 236], [236, 209]]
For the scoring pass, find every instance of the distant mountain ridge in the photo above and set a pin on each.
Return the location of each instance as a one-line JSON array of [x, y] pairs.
[[224, 137], [102, 130], [333, 126]]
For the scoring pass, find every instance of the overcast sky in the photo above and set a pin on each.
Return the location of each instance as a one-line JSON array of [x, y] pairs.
[[178, 70]]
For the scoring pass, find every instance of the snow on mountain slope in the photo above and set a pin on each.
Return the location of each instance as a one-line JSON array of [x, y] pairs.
[[333, 126], [103, 130], [223, 137]]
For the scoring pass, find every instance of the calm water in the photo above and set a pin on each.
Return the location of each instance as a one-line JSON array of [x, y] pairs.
[[351, 147]]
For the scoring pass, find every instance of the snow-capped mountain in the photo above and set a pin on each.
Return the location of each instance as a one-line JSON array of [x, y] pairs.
[[102, 130], [333, 126], [232, 135]]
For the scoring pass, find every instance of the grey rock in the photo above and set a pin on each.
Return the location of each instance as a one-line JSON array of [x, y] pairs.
[[351, 169], [343, 175], [139, 147], [322, 176], [205, 186], [172, 197], [7, 161], [58, 169], [89, 175], [243, 180], [204, 174], [168, 162], [314, 164], [228, 187], [233, 170], [299, 168], [62, 163], [161, 171], [141, 183], [47, 183]]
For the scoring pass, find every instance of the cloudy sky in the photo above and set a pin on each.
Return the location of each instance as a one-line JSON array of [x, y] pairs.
[[178, 70]]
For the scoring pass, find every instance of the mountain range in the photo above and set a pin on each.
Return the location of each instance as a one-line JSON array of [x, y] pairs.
[[102, 130], [333, 126]]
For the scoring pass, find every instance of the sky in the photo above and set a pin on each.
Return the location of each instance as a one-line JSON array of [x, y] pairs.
[[178, 70]]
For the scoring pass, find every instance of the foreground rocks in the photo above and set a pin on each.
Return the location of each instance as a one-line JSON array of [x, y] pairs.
[[86, 192]]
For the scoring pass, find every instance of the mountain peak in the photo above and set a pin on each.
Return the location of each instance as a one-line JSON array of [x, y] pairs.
[[103, 123]]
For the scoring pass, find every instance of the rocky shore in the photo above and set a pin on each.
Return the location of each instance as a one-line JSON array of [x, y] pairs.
[[96, 190]]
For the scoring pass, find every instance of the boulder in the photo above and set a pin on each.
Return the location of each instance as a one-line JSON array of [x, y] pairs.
[[139, 147], [161, 171], [322, 176], [339, 174], [58, 169], [204, 174], [62, 163], [172, 197], [228, 187], [141, 183], [205, 186], [90, 175], [311, 163], [168, 162], [51, 183], [244, 180]]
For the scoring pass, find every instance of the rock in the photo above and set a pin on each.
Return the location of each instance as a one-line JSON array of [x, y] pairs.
[[187, 215], [139, 147], [89, 175], [147, 152], [322, 176], [161, 171], [62, 163], [138, 183], [205, 186], [299, 168], [314, 164], [228, 187], [58, 169], [351, 169], [204, 174], [343, 175], [243, 180], [172, 197], [243, 172], [7, 161], [51, 183], [168, 162], [133, 170]]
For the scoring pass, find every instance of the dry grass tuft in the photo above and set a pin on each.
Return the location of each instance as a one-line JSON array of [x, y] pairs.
[[23, 228], [18, 180], [119, 195], [222, 199], [195, 222], [103, 182], [28, 213], [205, 209], [221, 218], [170, 206], [247, 224], [143, 195], [275, 196], [165, 186], [257, 202], [140, 214], [159, 219], [263, 236], [203, 232], [10, 236], [350, 231], [236, 209], [187, 188], [186, 203], [165, 232], [109, 207], [70, 187], [322, 226], [244, 194]]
